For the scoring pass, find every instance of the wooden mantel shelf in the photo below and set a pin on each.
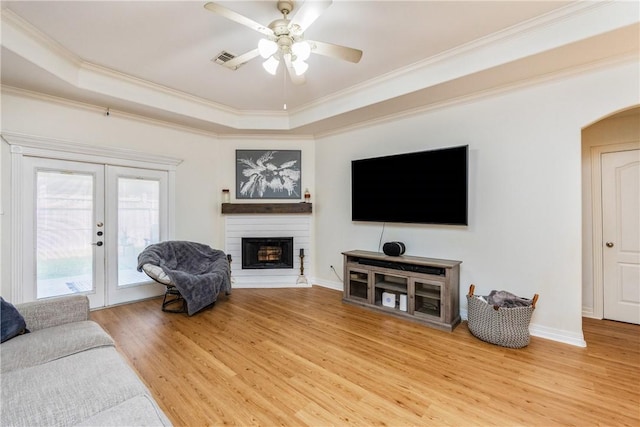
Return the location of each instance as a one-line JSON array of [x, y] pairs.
[[267, 208]]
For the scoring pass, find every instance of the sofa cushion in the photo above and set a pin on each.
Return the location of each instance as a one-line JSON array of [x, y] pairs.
[[12, 323], [49, 312], [69, 390], [137, 411], [49, 344]]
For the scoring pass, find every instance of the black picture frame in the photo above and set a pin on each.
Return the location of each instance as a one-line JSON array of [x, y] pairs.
[[268, 174]]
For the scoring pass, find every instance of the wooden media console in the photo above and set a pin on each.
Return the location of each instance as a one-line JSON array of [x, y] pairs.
[[426, 290]]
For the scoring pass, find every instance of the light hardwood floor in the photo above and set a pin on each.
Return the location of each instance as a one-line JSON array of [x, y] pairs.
[[301, 357]]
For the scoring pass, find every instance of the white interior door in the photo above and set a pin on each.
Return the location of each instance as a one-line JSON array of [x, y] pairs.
[[63, 211], [621, 235], [84, 225]]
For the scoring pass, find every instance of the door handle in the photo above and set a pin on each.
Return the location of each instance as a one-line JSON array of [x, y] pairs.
[[98, 243], [609, 244]]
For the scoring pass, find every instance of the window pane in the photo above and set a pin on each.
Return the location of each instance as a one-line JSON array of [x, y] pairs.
[[64, 226], [138, 225]]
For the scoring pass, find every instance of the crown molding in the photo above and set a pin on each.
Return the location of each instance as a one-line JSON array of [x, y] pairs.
[[38, 96], [628, 58], [99, 109]]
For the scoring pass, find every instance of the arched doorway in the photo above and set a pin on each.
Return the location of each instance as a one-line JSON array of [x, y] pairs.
[[611, 144]]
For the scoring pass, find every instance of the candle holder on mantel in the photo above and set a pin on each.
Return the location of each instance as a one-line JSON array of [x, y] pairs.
[[302, 280]]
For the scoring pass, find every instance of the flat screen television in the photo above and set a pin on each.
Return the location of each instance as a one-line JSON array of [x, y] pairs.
[[426, 187]]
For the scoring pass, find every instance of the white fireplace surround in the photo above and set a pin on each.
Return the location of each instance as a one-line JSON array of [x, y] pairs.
[[296, 226]]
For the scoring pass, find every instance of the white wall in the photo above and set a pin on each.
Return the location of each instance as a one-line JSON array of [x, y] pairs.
[[524, 232], [208, 163]]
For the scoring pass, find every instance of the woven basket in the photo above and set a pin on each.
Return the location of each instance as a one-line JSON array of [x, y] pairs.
[[504, 326]]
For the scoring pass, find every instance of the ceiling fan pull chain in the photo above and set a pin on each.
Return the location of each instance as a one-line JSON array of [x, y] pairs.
[[284, 88]]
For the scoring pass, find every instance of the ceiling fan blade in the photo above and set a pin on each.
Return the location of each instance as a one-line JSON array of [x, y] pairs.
[[241, 59], [240, 19], [336, 51], [295, 79], [308, 13]]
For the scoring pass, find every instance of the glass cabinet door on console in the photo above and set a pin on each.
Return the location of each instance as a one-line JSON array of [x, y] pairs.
[[428, 300], [358, 285]]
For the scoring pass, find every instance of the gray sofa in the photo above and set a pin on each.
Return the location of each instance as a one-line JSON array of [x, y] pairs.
[[67, 371]]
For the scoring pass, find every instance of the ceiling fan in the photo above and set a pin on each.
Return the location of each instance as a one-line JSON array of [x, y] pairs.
[[284, 39]]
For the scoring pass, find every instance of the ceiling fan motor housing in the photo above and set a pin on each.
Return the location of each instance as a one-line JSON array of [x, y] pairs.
[[280, 27], [285, 6]]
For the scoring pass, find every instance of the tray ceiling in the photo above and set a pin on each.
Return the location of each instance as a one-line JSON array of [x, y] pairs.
[[154, 58]]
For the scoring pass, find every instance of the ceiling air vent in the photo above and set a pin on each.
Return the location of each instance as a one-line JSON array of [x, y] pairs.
[[223, 57]]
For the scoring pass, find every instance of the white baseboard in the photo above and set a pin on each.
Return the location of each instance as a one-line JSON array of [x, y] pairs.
[[590, 313], [269, 282], [282, 282], [559, 335], [338, 286]]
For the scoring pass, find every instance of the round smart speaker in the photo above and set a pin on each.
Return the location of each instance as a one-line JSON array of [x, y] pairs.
[[393, 248]]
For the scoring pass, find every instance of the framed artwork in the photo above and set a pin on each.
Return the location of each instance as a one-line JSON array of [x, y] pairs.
[[268, 174]]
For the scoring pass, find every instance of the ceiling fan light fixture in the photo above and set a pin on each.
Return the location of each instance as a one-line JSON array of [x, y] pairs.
[[283, 39], [300, 67], [301, 50], [271, 65], [267, 48]]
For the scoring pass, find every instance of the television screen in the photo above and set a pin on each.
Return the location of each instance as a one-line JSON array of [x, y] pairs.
[[427, 187]]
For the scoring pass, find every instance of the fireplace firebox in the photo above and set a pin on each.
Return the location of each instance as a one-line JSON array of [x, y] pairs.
[[267, 252]]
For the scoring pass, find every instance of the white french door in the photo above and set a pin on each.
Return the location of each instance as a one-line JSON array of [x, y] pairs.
[[63, 210], [137, 211], [84, 225]]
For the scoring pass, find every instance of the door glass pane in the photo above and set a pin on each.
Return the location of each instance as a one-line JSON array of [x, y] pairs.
[[138, 225], [64, 225]]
